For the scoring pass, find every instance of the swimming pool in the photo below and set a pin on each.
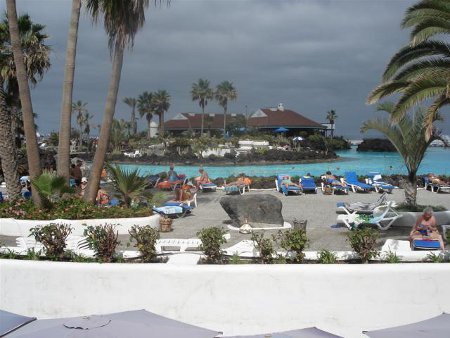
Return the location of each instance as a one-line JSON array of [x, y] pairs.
[[436, 160]]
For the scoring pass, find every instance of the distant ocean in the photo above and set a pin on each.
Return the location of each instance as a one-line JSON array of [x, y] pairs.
[[437, 160]]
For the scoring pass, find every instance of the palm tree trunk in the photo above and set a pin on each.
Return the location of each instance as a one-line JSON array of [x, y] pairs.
[[161, 124], [133, 120], [411, 189], [8, 153], [108, 116], [203, 115], [149, 129], [224, 121], [34, 165], [63, 166]]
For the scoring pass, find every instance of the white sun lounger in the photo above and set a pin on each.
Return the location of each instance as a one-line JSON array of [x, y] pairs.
[[403, 251]]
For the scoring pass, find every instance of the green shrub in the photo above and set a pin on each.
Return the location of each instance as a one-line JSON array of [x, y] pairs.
[[53, 237], [212, 238], [326, 257], [434, 258], [294, 241], [265, 248], [391, 257], [364, 241], [128, 183], [103, 240], [145, 238]]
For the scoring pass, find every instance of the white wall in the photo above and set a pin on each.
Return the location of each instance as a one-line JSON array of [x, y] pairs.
[[20, 227], [237, 299]]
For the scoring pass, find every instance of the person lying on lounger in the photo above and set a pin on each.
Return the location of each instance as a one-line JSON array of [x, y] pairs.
[[240, 181], [185, 193], [331, 179], [203, 178], [286, 181], [436, 180], [426, 228]]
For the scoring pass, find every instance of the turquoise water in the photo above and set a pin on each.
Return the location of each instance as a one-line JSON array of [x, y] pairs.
[[436, 160]]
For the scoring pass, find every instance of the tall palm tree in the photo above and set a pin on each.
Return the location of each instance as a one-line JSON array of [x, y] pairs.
[[79, 108], [34, 165], [131, 102], [86, 125], [160, 104], [63, 163], [121, 19], [225, 92], [144, 106], [202, 93], [331, 117], [420, 72], [408, 137], [32, 40]]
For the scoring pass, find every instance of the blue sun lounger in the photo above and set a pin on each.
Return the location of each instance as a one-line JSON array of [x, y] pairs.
[[283, 189], [308, 184], [374, 178], [352, 180], [173, 211]]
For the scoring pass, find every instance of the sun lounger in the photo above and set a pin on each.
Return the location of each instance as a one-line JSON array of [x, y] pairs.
[[283, 189], [207, 187], [334, 186], [173, 211], [352, 180], [308, 184], [362, 207], [383, 217], [403, 250], [434, 187], [165, 244], [375, 179], [234, 189]]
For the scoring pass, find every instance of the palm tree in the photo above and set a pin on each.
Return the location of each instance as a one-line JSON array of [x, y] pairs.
[[225, 92], [80, 109], [200, 91], [144, 106], [22, 76], [331, 117], [408, 137], [121, 19], [160, 103], [66, 105], [86, 125], [420, 72], [131, 102], [128, 183]]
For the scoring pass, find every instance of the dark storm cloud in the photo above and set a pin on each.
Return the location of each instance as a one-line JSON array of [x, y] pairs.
[[311, 55]]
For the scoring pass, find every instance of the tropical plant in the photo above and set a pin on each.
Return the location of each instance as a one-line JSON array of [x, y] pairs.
[[364, 242], [50, 187], [212, 238], [63, 164], [265, 248], [127, 182], [118, 133], [79, 108], [103, 239], [420, 72], [121, 19], [34, 56], [201, 92], [160, 103], [294, 241], [145, 238], [144, 106], [326, 257], [408, 137], [225, 92], [132, 102], [391, 257], [435, 258], [331, 117], [53, 237]]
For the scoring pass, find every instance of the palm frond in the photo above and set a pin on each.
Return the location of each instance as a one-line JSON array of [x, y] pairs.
[[386, 89], [429, 28], [433, 115], [433, 68], [128, 183]]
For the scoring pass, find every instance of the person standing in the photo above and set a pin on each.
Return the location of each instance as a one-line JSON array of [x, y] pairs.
[[77, 174]]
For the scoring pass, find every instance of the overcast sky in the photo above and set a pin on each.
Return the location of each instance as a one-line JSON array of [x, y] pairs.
[[310, 55]]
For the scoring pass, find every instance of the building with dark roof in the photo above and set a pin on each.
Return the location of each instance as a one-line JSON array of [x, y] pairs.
[[264, 119]]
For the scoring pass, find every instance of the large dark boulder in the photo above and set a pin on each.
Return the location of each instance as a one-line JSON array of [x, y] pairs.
[[260, 208]]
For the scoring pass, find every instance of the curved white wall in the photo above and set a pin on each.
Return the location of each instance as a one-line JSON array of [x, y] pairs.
[[237, 299], [20, 227]]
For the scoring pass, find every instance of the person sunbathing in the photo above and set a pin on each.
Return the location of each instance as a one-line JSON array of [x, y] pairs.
[[426, 228], [203, 178], [286, 181], [436, 180], [184, 193], [240, 181], [331, 179], [102, 198]]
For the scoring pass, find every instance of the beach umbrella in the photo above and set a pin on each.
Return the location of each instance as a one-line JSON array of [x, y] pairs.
[[281, 130], [309, 332], [10, 321], [434, 327], [136, 324]]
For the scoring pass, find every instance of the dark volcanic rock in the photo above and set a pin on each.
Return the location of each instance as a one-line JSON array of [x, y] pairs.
[[376, 144], [261, 208]]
